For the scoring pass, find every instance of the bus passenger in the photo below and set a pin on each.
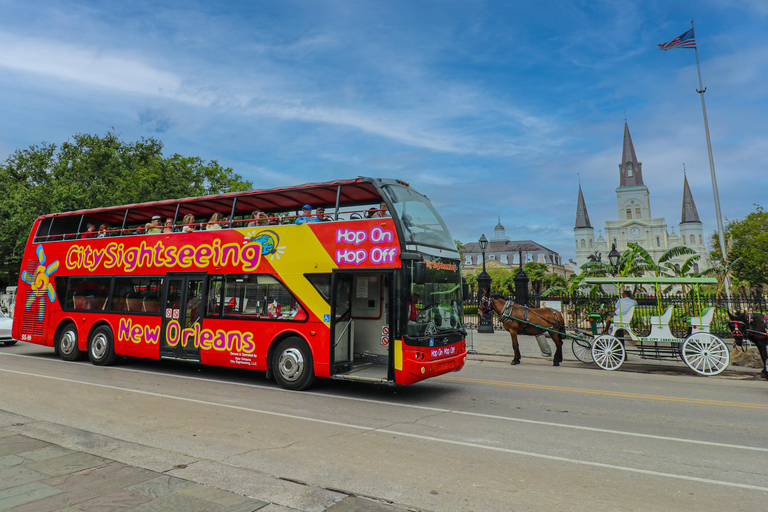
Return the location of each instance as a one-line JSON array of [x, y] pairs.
[[90, 231], [215, 222], [306, 215], [103, 231], [154, 226], [188, 223], [259, 219], [168, 228], [320, 215]]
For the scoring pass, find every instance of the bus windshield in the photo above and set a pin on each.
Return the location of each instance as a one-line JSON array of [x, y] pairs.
[[435, 304], [421, 223]]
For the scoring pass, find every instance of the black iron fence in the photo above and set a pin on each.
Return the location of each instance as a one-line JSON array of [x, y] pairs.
[[577, 309]]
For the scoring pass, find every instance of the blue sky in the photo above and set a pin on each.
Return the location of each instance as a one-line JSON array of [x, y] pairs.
[[489, 108]]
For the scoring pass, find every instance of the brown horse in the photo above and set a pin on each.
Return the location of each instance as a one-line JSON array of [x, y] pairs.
[[515, 316]]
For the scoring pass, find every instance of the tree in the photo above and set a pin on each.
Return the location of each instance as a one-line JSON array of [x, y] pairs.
[[536, 272], [461, 248], [91, 171], [747, 243]]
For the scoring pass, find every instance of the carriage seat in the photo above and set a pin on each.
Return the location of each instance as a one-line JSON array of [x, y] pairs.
[[701, 323], [622, 321], [660, 324]]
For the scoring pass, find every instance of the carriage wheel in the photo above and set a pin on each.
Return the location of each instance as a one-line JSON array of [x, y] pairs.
[[706, 354], [608, 352], [582, 349]]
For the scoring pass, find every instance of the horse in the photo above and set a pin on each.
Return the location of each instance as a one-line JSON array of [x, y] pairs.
[[515, 320], [753, 327]]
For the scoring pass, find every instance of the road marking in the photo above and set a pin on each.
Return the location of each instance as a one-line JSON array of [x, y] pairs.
[[622, 394], [364, 428], [431, 409]]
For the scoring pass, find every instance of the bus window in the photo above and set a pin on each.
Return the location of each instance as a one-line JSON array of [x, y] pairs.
[[215, 286], [260, 296], [87, 293], [322, 283], [137, 294]]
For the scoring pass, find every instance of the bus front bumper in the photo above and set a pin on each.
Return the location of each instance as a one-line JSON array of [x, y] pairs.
[[413, 364]]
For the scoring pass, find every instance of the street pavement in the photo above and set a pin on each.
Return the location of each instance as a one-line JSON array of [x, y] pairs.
[[38, 474]]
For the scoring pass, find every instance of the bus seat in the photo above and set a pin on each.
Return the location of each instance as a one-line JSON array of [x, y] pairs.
[[118, 304], [79, 301], [151, 304], [133, 303], [300, 315]]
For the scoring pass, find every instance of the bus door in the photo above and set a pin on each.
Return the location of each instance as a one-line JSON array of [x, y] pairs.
[[182, 309], [361, 325]]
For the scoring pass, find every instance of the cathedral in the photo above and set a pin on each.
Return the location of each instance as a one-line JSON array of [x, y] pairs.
[[635, 223]]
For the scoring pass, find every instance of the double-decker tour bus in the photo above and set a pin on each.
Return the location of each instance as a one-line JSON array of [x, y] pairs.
[[369, 289]]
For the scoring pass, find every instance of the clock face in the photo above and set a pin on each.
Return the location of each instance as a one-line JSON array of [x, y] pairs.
[[634, 231]]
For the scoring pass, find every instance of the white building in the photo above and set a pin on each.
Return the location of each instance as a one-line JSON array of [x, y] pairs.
[[635, 223]]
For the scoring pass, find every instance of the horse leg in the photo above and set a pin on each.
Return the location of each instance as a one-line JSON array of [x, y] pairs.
[[515, 346], [762, 347], [559, 349]]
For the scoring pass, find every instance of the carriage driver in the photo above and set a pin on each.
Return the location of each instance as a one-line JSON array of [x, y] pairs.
[[623, 305]]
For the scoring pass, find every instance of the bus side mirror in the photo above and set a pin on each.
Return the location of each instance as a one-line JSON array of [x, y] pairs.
[[464, 288], [419, 272]]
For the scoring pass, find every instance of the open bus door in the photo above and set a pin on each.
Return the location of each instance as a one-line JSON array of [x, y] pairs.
[[361, 325], [182, 303]]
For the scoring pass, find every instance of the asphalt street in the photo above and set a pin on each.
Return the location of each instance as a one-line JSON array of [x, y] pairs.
[[492, 437]]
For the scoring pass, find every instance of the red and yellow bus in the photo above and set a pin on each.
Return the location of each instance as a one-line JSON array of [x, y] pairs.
[[370, 290]]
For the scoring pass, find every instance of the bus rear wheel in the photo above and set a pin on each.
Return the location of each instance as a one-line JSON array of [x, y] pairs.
[[66, 344], [101, 347], [292, 364]]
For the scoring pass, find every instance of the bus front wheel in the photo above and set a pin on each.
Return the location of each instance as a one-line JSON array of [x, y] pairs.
[[292, 364], [66, 344], [101, 347]]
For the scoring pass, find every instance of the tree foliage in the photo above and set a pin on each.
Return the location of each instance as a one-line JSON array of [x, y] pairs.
[[747, 247], [92, 171]]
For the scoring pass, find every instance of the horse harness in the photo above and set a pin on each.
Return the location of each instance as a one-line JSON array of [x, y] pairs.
[[506, 314]]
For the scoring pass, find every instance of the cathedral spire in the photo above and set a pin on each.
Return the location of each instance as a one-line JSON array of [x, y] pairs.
[[582, 217], [689, 207], [630, 169]]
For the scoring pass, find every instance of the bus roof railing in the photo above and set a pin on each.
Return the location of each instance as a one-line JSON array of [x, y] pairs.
[[651, 280]]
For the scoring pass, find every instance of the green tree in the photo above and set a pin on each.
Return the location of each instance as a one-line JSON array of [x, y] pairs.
[[747, 243], [536, 272], [461, 248], [91, 171]]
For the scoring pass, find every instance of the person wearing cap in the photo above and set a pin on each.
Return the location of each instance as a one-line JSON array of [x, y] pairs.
[[320, 215], [154, 226], [306, 215]]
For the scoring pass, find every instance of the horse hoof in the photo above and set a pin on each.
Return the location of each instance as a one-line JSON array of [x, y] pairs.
[[555, 364], [515, 362]]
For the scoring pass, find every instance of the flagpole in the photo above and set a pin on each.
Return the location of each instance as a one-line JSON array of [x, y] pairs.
[[721, 233]]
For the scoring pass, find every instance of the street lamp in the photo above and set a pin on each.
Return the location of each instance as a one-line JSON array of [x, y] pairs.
[[485, 324], [614, 257]]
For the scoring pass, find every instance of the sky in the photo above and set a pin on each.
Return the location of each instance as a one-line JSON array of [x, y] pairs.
[[494, 110]]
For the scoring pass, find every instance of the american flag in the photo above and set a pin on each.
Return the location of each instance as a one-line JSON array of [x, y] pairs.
[[684, 41]]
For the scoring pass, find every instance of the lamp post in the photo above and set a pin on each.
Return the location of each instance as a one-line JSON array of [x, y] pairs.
[[614, 257], [521, 283], [485, 324]]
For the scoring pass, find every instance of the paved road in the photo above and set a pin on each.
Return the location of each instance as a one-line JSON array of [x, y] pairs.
[[492, 437]]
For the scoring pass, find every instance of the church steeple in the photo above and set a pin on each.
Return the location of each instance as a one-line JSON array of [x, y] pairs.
[[689, 207], [630, 169], [582, 217]]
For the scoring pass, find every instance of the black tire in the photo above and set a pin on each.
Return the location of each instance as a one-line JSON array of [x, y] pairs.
[[101, 347], [10, 342], [66, 344], [292, 364]]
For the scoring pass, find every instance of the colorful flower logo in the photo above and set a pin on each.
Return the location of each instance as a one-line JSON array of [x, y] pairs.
[[40, 283]]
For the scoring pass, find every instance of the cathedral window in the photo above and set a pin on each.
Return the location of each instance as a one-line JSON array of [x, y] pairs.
[[590, 243], [629, 213], [583, 244], [658, 241], [700, 241], [637, 213], [693, 240], [629, 170], [695, 267]]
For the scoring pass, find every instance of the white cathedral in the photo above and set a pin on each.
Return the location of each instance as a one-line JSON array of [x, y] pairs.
[[635, 222]]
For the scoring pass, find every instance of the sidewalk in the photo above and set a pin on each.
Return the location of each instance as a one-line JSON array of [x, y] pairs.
[[39, 474]]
